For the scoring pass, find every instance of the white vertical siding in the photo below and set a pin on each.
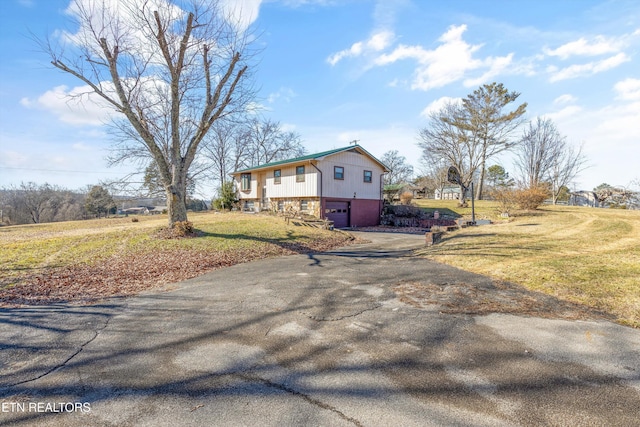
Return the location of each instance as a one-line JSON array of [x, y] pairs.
[[289, 187], [255, 190], [354, 165]]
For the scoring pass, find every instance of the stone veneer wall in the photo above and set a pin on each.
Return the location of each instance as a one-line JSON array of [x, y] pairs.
[[313, 206]]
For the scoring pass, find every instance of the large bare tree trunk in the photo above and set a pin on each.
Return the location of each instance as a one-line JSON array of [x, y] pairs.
[[169, 73], [176, 205]]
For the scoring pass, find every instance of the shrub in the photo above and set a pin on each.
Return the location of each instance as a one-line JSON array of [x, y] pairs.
[[530, 198], [406, 197], [227, 199], [505, 197]]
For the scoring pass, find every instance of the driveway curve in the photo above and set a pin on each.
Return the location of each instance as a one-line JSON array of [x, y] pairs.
[[317, 339]]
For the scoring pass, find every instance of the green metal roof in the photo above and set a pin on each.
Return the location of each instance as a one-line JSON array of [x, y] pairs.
[[315, 156]]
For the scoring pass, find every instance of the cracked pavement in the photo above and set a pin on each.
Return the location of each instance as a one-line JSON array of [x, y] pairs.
[[318, 339]]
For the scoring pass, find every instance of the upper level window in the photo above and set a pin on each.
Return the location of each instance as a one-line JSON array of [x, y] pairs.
[[300, 174], [277, 176], [245, 182], [338, 172], [368, 176]]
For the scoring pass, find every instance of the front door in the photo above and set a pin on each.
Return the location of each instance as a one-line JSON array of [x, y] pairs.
[[338, 212]]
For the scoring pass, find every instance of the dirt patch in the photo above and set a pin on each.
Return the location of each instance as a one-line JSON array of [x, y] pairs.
[[124, 275], [499, 297]]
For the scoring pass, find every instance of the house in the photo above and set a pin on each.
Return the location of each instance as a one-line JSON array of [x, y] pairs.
[[342, 185], [448, 192], [139, 210], [583, 198]]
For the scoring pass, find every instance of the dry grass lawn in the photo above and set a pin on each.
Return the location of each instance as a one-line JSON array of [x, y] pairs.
[[83, 261], [583, 255]]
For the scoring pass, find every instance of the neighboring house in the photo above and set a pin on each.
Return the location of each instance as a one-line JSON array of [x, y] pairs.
[[342, 185], [139, 210], [448, 192], [583, 198], [392, 192], [157, 210]]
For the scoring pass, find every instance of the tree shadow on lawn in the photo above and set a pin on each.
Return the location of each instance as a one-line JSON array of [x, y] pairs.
[[290, 242]]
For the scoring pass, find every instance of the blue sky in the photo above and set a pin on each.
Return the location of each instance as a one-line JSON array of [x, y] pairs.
[[335, 71]]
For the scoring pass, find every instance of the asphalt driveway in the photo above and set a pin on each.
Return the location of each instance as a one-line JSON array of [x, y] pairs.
[[318, 339]]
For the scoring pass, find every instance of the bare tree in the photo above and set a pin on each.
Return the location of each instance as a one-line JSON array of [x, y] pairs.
[[442, 142], [236, 144], [168, 72], [435, 173], [545, 157], [540, 147], [608, 195], [566, 166], [37, 202], [30, 203], [224, 149], [267, 142], [488, 127], [400, 170]]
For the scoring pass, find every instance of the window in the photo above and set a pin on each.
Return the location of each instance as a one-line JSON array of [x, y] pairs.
[[300, 174], [277, 176], [304, 205], [338, 172], [245, 180], [368, 176]]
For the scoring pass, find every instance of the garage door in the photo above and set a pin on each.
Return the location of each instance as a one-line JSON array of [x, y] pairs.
[[338, 212]]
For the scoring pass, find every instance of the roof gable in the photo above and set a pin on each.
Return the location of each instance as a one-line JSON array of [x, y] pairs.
[[317, 156]]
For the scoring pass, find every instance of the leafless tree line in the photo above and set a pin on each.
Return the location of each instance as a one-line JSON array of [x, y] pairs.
[[544, 156], [234, 145], [470, 133], [30, 203]]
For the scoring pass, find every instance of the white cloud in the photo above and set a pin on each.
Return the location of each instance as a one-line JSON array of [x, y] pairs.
[[565, 99], [11, 158], [609, 134], [447, 63], [438, 104], [77, 106], [590, 68], [288, 127], [119, 24], [581, 47], [564, 113], [284, 93], [242, 13], [377, 42], [496, 66], [628, 89], [254, 108]]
